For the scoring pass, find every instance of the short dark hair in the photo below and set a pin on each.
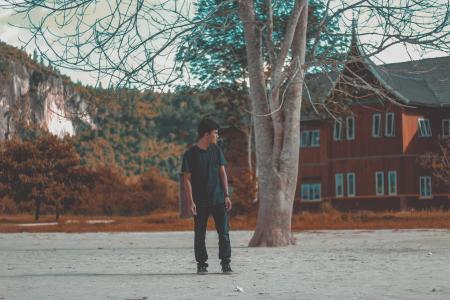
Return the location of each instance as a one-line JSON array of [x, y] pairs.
[[205, 126]]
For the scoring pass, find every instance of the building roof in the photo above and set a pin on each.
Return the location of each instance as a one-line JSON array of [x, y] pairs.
[[424, 82], [421, 82]]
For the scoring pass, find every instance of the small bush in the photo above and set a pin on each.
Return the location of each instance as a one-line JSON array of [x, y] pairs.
[[7, 206], [116, 194], [244, 193], [162, 192]]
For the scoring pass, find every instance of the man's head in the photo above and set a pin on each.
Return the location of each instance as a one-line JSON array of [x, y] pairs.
[[208, 130]]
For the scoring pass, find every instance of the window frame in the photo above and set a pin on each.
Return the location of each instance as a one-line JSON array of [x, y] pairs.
[[341, 175], [312, 137], [308, 139], [347, 127], [382, 183], [310, 189], [354, 184], [337, 124], [426, 127], [386, 133], [389, 182], [374, 127], [421, 194]]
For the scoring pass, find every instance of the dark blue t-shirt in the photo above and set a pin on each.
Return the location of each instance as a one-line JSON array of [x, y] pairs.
[[204, 166]]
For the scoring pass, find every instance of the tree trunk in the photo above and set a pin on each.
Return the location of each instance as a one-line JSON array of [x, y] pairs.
[[38, 210], [273, 227], [277, 132], [57, 212]]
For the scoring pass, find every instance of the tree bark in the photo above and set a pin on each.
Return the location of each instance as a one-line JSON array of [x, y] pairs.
[[277, 132]]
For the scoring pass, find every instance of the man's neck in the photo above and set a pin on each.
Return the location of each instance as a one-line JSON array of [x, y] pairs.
[[203, 144]]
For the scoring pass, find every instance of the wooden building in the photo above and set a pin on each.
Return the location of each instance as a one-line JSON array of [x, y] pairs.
[[366, 155]]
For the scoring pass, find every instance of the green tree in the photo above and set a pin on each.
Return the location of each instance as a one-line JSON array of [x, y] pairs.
[[179, 113], [216, 51]]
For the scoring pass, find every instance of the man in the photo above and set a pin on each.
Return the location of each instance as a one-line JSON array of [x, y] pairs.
[[206, 186]]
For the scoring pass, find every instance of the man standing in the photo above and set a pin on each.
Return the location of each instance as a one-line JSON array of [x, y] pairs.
[[206, 186]]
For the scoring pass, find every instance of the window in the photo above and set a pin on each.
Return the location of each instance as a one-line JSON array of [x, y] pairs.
[[305, 191], [379, 183], [351, 186], [350, 126], [337, 131], [446, 128], [392, 182], [390, 124], [315, 138], [311, 191], [304, 139], [310, 138], [425, 186], [424, 127], [339, 182], [376, 125]]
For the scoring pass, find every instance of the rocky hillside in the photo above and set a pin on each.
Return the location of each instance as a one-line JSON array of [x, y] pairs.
[[32, 94]]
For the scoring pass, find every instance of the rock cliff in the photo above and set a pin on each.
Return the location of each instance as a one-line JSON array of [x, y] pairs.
[[31, 93]]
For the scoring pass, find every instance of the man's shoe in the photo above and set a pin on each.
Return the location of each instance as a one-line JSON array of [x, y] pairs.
[[201, 269], [226, 269]]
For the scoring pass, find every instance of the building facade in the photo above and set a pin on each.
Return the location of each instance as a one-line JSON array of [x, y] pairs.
[[368, 154]]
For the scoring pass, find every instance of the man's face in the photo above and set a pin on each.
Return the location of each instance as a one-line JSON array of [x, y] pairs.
[[213, 136]]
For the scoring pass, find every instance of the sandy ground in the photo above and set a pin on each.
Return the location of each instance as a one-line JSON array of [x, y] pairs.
[[383, 264]]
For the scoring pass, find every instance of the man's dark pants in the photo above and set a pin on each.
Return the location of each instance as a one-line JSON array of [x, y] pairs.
[[220, 216]]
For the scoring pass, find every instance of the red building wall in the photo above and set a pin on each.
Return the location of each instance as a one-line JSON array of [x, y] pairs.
[[366, 155]]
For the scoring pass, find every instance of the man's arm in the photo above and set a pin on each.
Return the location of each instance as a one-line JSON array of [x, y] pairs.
[[224, 181], [188, 190]]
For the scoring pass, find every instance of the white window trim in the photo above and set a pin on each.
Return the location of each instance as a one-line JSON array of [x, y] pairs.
[[312, 137], [309, 139], [336, 176], [320, 192], [304, 186], [421, 195], [308, 187], [427, 127], [443, 128], [354, 184], [389, 182], [386, 133], [376, 183], [350, 137], [378, 115], [337, 124], [301, 138]]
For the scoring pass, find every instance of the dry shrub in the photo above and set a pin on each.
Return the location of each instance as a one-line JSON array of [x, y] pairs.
[[7, 206], [163, 192], [116, 194], [327, 208], [244, 193]]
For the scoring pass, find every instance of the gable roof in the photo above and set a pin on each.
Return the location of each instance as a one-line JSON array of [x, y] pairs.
[[422, 82]]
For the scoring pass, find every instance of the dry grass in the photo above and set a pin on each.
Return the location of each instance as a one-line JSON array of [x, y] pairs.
[[169, 221]]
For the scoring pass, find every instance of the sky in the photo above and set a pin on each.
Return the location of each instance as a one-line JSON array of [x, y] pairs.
[[13, 36]]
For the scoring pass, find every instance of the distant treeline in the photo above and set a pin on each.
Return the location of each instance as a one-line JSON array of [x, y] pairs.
[[45, 176], [127, 165]]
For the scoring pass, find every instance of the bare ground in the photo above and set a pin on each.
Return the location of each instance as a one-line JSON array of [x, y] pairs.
[[340, 264]]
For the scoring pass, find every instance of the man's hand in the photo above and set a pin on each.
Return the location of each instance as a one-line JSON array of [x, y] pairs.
[[228, 204], [193, 208]]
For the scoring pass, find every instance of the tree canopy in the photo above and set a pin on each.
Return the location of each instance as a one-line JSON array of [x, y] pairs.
[[215, 52]]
